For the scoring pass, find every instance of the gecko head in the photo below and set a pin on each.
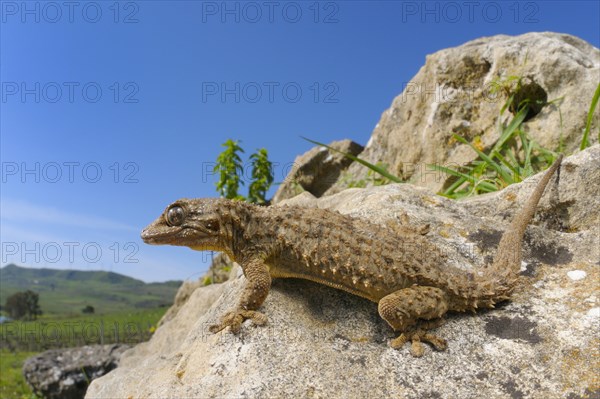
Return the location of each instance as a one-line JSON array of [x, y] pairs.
[[195, 223]]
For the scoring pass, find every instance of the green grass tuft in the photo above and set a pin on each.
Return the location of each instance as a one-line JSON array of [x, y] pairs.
[[588, 125]]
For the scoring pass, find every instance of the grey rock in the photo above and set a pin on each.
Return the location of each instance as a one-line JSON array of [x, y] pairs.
[[317, 170], [220, 269], [66, 373], [324, 343], [452, 94], [183, 294]]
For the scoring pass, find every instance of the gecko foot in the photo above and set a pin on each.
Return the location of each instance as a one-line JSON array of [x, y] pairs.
[[418, 336], [235, 318]]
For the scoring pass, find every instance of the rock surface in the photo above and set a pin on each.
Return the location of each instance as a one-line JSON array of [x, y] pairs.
[[324, 343], [66, 373], [451, 94], [317, 170]]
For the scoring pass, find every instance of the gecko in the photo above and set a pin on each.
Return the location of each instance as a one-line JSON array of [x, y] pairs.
[[396, 267]]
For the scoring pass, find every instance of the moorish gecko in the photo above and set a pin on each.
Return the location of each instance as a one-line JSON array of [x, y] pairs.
[[398, 268]]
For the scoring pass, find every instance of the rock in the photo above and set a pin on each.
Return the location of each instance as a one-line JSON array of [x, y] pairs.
[[325, 343], [220, 269], [168, 337], [183, 294], [451, 94], [66, 373], [579, 178], [316, 170]]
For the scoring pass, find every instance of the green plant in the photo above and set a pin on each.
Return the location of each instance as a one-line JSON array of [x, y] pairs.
[[584, 141], [502, 166], [349, 181], [229, 167], [262, 177]]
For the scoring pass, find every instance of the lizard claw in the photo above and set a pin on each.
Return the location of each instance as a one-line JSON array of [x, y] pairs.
[[235, 318], [417, 337]]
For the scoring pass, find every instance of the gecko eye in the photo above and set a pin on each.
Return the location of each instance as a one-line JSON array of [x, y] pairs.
[[175, 216]]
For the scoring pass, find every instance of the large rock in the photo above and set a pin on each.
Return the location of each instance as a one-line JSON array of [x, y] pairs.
[[66, 373], [324, 343], [317, 170], [451, 94], [183, 295]]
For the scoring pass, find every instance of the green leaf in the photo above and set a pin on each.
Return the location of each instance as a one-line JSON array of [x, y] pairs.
[[229, 167], [262, 176]]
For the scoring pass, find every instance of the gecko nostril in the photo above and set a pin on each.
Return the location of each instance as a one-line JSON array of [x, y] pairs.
[[145, 234]]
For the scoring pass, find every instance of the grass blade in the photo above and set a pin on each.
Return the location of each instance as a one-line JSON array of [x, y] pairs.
[[584, 141], [473, 180], [511, 127], [369, 165], [451, 191], [498, 168]]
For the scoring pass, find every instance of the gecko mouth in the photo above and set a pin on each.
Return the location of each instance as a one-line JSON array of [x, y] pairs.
[[168, 235], [157, 238]]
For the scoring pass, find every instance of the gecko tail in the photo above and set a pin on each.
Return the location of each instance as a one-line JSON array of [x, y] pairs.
[[501, 276]]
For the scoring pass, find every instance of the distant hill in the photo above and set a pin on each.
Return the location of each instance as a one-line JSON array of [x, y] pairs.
[[68, 291]]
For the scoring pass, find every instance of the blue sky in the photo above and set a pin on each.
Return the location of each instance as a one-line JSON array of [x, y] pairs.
[[112, 110]]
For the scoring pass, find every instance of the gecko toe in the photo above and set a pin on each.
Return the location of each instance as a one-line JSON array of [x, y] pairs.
[[416, 338], [215, 328], [437, 342], [417, 349], [234, 320], [258, 318], [399, 342]]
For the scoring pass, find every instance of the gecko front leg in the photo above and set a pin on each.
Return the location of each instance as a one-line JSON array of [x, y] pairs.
[[254, 294]]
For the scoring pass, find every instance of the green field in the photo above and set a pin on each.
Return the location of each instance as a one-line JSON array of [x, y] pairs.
[[12, 383], [19, 340], [60, 332], [126, 310], [64, 292]]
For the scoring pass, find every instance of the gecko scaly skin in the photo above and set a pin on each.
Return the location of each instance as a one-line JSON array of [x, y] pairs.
[[398, 268]]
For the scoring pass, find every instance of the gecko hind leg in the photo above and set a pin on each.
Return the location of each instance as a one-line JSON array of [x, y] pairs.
[[408, 311]]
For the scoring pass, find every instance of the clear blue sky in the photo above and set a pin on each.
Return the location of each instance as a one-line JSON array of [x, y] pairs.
[[144, 93]]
